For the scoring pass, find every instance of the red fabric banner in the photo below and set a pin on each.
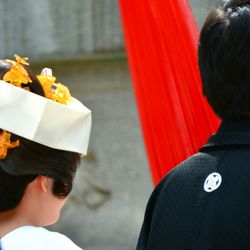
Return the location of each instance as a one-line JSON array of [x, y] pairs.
[[161, 40]]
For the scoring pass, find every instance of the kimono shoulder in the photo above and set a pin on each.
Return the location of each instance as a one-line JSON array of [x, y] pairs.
[[36, 238]]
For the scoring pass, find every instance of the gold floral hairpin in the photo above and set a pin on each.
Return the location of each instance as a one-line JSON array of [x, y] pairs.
[[54, 91], [6, 144], [17, 75]]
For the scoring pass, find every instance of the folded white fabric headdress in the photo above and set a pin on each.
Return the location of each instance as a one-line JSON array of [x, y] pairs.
[[53, 124]]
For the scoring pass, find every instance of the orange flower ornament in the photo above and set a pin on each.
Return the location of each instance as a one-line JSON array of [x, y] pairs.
[[6, 144], [17, 75]]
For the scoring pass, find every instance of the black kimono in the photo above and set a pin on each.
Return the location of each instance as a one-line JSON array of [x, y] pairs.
[[204, 203]]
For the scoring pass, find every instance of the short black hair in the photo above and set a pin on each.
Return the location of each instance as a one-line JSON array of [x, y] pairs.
[[224, 59], [30, 159]]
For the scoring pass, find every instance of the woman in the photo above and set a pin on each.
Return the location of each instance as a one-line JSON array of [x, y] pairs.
[[43, 133]]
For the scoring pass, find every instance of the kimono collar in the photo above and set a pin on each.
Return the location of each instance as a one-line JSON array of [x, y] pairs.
[[231, 133]]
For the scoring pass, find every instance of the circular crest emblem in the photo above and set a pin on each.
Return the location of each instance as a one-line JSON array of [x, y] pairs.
[[212, 182]]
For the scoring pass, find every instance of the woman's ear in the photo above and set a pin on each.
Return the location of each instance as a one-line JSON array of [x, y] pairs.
[[41, 183], [44, 182]]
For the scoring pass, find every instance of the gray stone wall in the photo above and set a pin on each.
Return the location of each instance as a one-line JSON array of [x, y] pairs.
[[59, 28], [106, 208], [201, 8]]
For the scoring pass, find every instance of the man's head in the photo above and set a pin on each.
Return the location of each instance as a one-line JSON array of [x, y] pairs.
[[224, 59]]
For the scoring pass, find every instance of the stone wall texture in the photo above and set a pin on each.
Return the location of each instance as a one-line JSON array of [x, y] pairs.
[[59, 28]]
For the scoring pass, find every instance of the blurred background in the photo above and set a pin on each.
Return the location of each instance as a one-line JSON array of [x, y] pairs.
[[82, 41]]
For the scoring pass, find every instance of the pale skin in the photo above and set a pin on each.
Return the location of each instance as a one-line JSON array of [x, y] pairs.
[[38, 207]]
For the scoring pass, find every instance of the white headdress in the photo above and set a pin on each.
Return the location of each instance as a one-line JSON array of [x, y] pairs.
[[58, 121]]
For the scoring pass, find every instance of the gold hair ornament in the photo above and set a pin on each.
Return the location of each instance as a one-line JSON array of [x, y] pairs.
[[6, 144], [54, 91], [17, 75]]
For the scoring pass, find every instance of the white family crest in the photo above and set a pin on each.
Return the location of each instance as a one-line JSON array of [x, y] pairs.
[[212, 182]]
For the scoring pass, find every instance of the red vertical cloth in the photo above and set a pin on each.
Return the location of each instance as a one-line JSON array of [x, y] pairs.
[[161, 40]]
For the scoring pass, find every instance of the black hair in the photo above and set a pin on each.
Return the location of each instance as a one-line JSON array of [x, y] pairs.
[[30, 159], [224, 59]]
